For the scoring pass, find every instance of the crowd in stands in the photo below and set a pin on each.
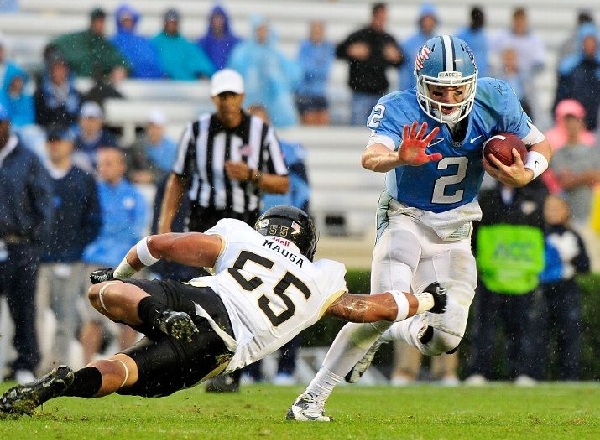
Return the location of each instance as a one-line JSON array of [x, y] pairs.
[[95, 224]]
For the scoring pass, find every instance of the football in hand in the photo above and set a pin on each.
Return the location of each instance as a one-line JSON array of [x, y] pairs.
[[501, 146]]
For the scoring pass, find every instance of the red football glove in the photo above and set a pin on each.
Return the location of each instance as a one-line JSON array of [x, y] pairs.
[[412, 149]]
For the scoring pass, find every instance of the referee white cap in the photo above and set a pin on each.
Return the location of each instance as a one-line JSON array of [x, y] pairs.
[[226, 80]]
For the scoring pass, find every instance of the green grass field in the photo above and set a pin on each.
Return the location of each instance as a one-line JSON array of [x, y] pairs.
[[547, 411]]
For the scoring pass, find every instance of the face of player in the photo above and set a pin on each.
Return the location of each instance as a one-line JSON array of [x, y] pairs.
[[447, 95], [229, 108]]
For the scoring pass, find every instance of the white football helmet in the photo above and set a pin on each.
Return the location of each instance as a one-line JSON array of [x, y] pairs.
[[445, 61]]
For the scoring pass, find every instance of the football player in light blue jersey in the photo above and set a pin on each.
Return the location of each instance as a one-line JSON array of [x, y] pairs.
[[429, 142]]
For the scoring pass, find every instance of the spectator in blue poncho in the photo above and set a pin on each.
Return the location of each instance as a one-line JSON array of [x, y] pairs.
[[137, 49], [6, 66], [180, 59], [16, 98], [427, 24], [219, 40], [270, 77]]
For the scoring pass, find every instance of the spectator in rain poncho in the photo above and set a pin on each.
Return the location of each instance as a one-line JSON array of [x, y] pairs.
[[270, 77], [219, 40], [137, 49], [181, 59], [16, 98]]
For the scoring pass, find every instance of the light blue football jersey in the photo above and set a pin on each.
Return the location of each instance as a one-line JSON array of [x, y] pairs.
[[455, 179]]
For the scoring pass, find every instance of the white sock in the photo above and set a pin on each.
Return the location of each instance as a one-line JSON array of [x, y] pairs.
[[323, 384], [351, 344]]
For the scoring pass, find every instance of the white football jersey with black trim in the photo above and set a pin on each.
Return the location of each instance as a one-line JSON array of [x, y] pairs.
[[270, 290]]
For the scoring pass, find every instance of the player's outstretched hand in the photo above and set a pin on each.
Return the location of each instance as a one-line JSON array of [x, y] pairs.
[[100, 275], [414, 143]]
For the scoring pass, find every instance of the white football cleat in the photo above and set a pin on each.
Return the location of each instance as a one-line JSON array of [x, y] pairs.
[[307, 409]]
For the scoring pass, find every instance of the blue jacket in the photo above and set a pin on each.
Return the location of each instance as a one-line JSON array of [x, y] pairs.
[[137, 49], [25, 195], [77, 217], [124, 219]]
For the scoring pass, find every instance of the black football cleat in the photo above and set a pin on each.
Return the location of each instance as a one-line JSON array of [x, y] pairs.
[[23, 399], [177, 324]]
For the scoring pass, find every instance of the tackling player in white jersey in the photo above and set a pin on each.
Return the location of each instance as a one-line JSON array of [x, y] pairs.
[[265, 290], [429, 202]]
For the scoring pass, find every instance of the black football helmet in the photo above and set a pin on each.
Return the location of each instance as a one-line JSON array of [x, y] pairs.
[[290, 223]]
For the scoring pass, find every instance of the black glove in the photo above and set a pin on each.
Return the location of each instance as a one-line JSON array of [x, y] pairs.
[[101, 275], [439, 297]]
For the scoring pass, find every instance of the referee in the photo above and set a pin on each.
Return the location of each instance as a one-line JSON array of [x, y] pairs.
[[225, 160]]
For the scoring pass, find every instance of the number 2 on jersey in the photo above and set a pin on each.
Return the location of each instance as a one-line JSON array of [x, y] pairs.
[[376, 116], [439, 191]]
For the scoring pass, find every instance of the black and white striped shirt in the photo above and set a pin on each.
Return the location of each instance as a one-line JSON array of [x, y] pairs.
[[206, 145]]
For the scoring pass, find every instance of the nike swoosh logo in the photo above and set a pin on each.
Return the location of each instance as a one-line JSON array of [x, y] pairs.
[[536, 163], [475, 138], [436, 141]]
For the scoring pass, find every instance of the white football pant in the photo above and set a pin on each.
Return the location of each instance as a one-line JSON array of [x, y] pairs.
[[409, 255]]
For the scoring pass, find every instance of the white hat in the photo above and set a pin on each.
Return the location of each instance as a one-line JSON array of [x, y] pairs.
[[226, 80], [90, 109], [157, 117]]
